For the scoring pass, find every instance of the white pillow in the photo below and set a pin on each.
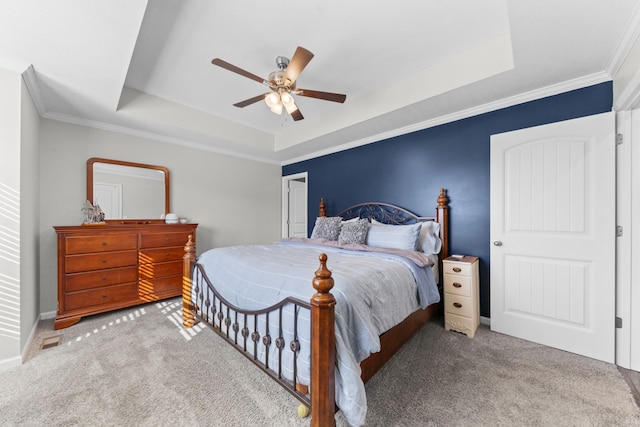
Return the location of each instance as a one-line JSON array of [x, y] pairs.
[[429, 240], [396, 237]]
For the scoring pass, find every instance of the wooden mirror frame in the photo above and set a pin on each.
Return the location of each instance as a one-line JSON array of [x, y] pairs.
[[93, 160]]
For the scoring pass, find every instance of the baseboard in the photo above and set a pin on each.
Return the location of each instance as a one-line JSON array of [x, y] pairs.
[[11, 362], [485, 320], [47, 315]]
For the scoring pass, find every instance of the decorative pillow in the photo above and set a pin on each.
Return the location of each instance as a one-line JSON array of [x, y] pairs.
[[429, 240], [356, 219], [327, 227], [394, 236], [354, 231]]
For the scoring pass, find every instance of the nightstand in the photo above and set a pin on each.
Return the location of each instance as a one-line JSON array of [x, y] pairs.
[[461, 294]]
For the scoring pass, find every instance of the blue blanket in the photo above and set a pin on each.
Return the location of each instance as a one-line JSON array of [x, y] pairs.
[[374, 291]]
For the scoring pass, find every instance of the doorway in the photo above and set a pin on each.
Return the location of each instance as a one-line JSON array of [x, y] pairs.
[[294, 205]]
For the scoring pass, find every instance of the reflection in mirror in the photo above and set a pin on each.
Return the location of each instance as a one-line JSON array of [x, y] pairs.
[[126, 190]]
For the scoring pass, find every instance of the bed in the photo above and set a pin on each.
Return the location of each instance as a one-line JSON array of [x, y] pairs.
[[323, 342]]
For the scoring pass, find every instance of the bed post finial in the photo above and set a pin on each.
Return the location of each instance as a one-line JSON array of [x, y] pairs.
[[323, 348], [188, 260], [443, 200], [323, 208], [442, 216]]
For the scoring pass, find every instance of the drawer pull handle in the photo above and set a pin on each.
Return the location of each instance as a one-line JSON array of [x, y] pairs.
[[167, 254], [104, 277], [104, 261], [457, 285], [104, 295], [457, 269], [457, 305], [104, 243]]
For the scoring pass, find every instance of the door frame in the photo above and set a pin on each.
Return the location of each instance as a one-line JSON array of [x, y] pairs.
[[285, 199], [628, 245]]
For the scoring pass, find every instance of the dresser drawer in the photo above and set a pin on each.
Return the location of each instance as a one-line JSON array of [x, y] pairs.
[[99, 261], [161, 269], [158, 240], [456, 284], [161, 254], [96, 279], [161, 286], [105, 243], [457, 304], [459, 269], [109, 294]]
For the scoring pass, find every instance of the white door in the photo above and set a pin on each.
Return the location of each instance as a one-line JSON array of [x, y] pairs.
[[553, 235], [297, 208], [294, 205], [109, 197]]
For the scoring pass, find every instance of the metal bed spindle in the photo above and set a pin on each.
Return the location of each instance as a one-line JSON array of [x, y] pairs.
[[216, 312]]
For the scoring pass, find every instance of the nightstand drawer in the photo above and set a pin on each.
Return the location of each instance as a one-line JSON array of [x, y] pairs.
[[460, 324], [459, 285], [456, 304], [459, 269]]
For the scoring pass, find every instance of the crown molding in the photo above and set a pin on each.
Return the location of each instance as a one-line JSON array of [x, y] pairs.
[[31, 81], [153, 136], [630, 35], [547, 91]]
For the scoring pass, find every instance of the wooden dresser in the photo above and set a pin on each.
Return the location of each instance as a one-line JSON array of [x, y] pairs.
[[108, 267]]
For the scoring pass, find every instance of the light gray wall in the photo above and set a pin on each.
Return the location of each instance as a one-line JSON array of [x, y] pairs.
[[29, 217], [10, 87], [234, 201]]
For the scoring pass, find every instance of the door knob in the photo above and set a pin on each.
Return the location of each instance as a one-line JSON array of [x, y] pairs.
[[497, 243]]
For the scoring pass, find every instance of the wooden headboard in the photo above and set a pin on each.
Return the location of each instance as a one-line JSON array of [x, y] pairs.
[[395, 215]]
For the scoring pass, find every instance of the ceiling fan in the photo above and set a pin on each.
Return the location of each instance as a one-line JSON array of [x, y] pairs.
[[282, 83]]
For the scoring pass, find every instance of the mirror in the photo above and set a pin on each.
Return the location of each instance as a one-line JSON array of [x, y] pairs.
[[126, 190]]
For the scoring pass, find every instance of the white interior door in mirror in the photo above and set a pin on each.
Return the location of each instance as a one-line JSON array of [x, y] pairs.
[[109, 197]]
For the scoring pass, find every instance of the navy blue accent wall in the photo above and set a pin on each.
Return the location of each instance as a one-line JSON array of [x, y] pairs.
[[409, 170]]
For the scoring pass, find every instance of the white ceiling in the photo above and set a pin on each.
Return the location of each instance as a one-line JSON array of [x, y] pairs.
[[144, 66]]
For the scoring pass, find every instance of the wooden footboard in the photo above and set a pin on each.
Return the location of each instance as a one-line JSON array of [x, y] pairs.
[[322, 306], [321, 398]]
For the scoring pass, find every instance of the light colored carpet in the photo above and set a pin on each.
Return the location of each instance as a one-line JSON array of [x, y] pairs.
[[140, 367]]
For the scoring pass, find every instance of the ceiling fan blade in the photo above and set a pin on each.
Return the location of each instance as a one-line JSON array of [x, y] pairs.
[[250, 101], [224, 64], [297, 115], [300, 59], [327, 96]]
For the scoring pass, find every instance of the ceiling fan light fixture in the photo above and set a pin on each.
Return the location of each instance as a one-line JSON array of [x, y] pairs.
[[291, 107], [277, 109], [282, 83], [273, 101], [286, 98]]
